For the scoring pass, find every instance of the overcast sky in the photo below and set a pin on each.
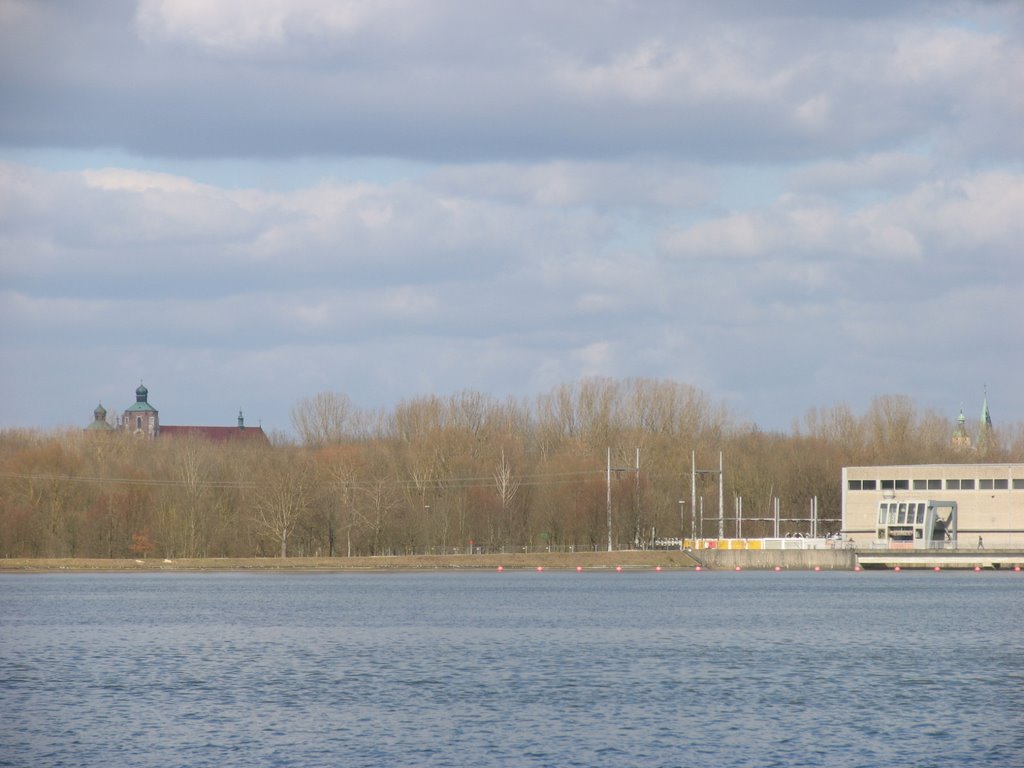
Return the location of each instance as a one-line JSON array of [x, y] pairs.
[[245, 202]]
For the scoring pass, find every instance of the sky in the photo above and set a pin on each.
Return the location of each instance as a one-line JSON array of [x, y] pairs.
[[242, 203]]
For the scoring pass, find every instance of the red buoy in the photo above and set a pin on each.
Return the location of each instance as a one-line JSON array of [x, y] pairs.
[[579, 569], [501, 568]]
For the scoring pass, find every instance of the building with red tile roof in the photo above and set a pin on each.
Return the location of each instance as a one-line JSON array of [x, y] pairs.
[[142, 419]]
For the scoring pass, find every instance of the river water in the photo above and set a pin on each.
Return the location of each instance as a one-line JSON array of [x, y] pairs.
[[513, 669]]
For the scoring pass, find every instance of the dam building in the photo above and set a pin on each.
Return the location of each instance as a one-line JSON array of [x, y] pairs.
[[934, 506]]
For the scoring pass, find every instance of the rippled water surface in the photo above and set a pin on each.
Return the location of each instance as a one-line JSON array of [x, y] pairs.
[[517, 668]]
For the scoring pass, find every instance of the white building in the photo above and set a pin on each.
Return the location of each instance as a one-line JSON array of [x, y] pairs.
[[988, 499]]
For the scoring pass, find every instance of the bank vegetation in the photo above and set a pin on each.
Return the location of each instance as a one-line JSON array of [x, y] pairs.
[[442, 475]]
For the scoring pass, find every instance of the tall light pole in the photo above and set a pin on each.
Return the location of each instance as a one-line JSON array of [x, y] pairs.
[[682, 530]]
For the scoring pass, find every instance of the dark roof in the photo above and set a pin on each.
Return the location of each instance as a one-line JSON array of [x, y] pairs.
[[215, 434]]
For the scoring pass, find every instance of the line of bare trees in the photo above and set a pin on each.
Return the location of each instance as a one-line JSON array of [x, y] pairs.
[[446, 474]]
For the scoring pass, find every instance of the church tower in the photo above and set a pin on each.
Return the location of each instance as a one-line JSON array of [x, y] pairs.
[[141, 419], [985, 429], [961, 439], [99, 420]]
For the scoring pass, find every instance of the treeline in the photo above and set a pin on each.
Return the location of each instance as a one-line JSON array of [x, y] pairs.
[[434, 474]]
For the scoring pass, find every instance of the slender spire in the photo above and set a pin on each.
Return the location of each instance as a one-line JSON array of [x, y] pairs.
[[986, 417]]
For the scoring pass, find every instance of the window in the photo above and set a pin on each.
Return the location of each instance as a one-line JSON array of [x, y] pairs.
[[967, 485], [920, 485], [883, 510], [902, 518], [952, 485], [920, 513], [854, 485], [888, 485], [869, 485], [902, 485], [1018, 484], [993, 485], [934, 485]]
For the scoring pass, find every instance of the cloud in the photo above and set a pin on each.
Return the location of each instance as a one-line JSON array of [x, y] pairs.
[[398, 197], [484, 82]]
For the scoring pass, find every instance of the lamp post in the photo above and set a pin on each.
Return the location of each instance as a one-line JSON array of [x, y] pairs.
[[682, 530]]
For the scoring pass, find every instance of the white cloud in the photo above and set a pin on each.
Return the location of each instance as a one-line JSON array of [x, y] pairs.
[[865, 173], [238, 26], [511, 195]]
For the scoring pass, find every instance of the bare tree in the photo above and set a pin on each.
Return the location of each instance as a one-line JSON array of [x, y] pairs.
[[327, 418], [281, 496]]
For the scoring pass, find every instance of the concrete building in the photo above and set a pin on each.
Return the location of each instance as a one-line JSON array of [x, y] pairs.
[[988, 499]]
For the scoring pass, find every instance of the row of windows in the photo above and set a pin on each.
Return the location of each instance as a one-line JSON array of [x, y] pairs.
[[893, 514], [965, 484]]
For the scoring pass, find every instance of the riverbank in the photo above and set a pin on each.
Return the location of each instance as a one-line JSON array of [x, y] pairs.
[[548, 560]]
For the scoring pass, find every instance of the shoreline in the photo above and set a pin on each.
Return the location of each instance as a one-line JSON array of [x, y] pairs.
[[632, 560]]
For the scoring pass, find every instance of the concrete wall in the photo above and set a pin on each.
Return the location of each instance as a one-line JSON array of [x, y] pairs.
[[806, 559]]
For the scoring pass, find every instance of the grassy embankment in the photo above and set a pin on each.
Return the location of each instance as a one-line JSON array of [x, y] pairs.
[[556, 561]]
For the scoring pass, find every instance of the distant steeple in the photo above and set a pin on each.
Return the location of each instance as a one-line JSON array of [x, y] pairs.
[[99, 420], [961, 439], [985, 428], [140, 417]]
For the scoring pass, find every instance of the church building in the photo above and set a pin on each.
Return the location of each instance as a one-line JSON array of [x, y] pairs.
[[143, 420]]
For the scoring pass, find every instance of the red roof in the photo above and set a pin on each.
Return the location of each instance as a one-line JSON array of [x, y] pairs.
[[215, 434]]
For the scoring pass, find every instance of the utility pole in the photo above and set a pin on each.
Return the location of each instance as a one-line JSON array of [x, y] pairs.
[[608, 485], [694, 472]]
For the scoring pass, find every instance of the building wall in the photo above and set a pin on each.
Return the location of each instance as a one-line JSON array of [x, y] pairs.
[[989, 497], [150, 422]]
